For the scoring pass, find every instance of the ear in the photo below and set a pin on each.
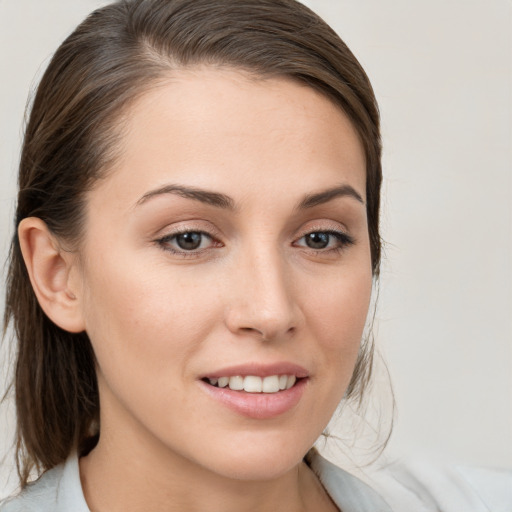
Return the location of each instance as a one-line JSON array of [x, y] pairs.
[[53, 274]]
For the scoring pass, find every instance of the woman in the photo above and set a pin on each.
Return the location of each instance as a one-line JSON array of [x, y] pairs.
[[197, 237]]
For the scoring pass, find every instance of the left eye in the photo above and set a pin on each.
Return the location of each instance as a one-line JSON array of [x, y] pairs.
[[319, 240], [187, 241]]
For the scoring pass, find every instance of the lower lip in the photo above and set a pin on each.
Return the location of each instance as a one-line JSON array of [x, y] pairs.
[[259, 406]]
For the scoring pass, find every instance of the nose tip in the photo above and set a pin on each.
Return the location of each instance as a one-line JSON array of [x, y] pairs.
[[267, 327], [264, 304], [248, 319]]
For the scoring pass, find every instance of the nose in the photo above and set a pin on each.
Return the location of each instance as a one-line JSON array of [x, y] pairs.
[[263, 301]]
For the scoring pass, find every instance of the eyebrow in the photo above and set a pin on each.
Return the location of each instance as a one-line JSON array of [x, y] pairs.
[[325, 196], [225, 202], [204, 196]]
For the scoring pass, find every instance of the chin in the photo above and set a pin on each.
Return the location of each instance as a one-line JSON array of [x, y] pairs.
[[261, 469], [257, 459]]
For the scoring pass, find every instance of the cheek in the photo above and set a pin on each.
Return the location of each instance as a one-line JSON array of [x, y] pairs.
[[335, 320], [337, 317], [142, 320], [338, 311]]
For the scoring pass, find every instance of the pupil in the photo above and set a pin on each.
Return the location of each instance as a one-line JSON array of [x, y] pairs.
[[189, 241], [317, 240]]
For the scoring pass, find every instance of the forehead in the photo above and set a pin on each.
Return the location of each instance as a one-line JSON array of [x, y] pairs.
[[224, 129]]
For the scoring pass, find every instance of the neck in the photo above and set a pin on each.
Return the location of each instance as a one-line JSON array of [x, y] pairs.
[[131, 469], [122, 475], [132, 480]]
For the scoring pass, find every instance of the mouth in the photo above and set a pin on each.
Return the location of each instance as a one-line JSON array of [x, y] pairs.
[[254, 383], [258, 391]]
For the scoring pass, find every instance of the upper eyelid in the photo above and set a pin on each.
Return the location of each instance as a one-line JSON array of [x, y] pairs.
[[324, 225], [178, 232], [325, 229], [210, 229], [173, 235], [340, 235], [214, 232], [168, 231]]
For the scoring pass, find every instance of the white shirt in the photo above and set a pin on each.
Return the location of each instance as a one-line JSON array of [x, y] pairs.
[[395, 488]]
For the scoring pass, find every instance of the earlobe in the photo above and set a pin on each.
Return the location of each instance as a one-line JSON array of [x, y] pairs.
[[50, 268]]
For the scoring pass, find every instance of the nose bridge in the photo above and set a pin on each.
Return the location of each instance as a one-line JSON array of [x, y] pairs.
[[264, 301]]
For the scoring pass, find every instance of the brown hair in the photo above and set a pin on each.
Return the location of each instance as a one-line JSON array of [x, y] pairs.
[[71, 138]]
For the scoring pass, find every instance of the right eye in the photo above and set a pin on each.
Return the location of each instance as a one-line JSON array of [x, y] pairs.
[[186, 242]]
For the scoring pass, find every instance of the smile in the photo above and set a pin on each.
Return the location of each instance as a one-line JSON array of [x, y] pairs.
[[257, 397], [254, 384]]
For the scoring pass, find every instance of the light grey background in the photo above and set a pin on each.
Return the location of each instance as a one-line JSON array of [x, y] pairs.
[[442, 72]]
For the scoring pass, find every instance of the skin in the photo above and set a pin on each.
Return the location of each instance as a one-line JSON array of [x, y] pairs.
[[253, 291]]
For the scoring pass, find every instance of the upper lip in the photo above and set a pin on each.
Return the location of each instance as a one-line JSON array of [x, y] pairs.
[[259, 370]]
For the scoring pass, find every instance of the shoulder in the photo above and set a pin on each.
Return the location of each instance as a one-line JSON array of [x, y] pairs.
[[402, 486], [57, 490], [40, 496], [426, 486], [348, 492]]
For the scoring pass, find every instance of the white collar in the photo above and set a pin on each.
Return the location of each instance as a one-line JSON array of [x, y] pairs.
[[348, 492], [60, 489]]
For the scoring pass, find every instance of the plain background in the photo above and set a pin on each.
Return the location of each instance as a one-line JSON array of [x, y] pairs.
[[442, 72]]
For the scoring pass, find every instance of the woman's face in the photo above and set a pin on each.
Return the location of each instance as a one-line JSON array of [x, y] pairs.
[[229, 241]]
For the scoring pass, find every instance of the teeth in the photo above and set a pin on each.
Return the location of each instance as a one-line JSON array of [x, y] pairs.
[[254, 384], [291, 381], [223, 382], [236, 383], [270, 384]]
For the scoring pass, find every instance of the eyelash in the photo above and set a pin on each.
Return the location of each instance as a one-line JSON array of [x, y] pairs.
[[167, 239], [344, 240]]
